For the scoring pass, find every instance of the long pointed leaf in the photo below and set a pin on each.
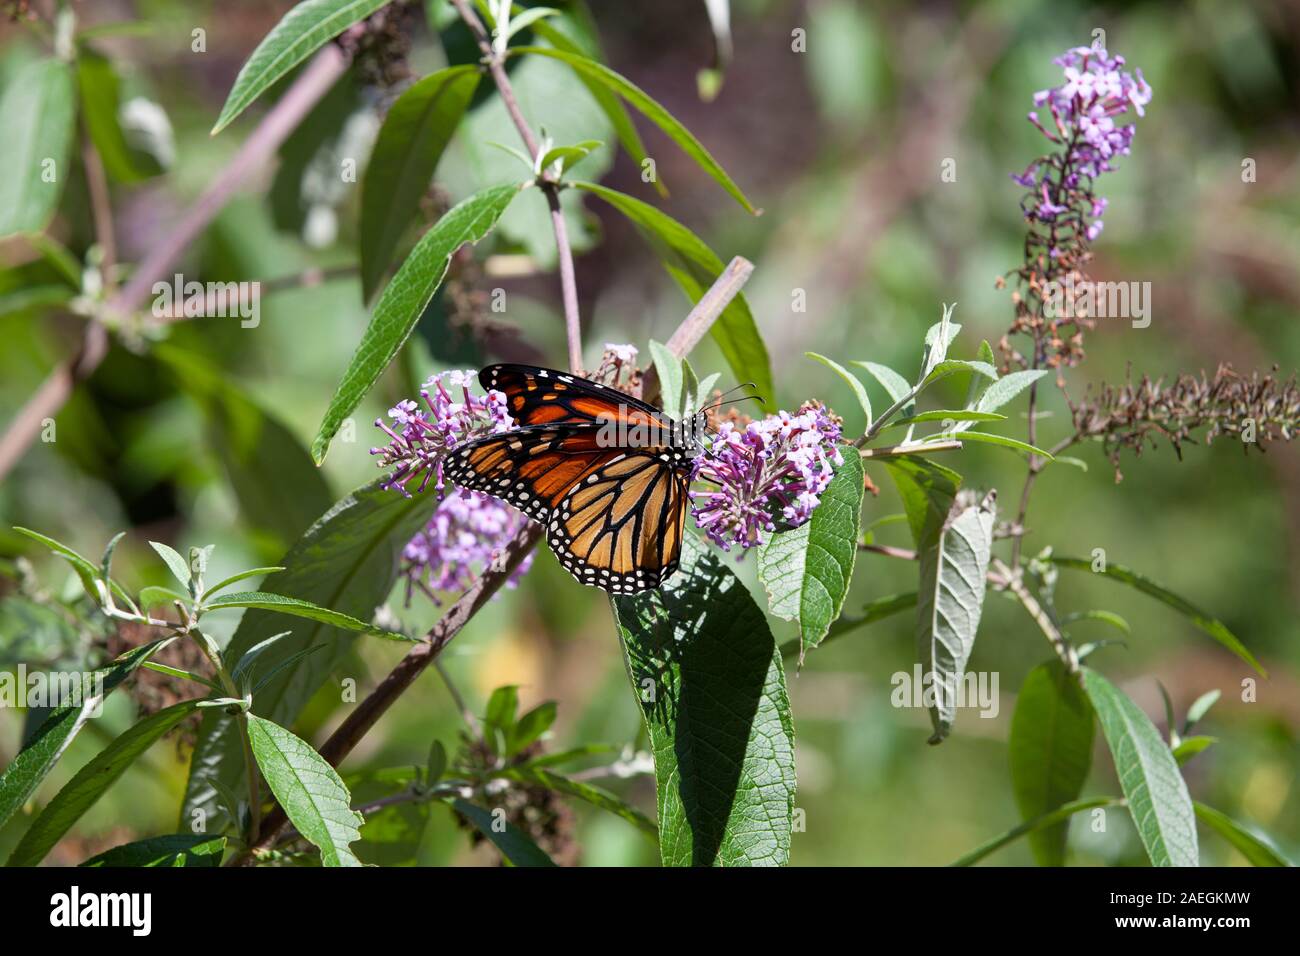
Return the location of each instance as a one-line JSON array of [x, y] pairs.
[[1148, 774], [89, 783], [709, 681], [404, 299]]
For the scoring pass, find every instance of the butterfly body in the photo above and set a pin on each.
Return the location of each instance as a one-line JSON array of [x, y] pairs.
[[605, 472]]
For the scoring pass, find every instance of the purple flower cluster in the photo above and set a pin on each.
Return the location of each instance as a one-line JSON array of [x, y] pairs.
[[422, 437], [769, 470], [461, 538], [1084, 110]]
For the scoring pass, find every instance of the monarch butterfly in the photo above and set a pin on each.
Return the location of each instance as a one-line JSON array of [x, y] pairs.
[[607, 473]]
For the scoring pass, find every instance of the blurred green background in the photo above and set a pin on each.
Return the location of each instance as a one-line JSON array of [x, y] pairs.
[[842, 146]]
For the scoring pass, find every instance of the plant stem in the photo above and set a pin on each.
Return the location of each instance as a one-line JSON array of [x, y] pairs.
[[1011, 579], [704, 313], [568, 282], [101, 207]]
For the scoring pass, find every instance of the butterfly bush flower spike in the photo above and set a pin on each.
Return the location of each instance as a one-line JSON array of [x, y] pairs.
[[421, 437], [461, 538], [466, 528], [1087, 119], [768, 474]]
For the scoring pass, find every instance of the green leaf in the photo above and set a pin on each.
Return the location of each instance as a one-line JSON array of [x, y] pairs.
[[1255, 847], [44, 748], [436, 765], [244, 665], [527, 18], [669, 367], [928, 491], [87, 573], [990, 439], [1200, 707], [241, 576], [1104, 617], [807, 570], [417, 129], [179, 567], [404, 299], [952, 366], [154, 596], [1052, 819], [1210, 625], [515, 845], [502, 707], [310, 791], [531, 726], [859, 392], [1050, 750], [1008, 387], [895, 386], [1156, 792], [37, 114], [98, 86], [596, 796], [607, 101], [945, 414], [282, 604], [568, 156], [877, 610], [304, 30], [347, 561], [176, 849], [950, 600], [695, 267], [708, 678], [251, 444], [648, 108], [1189, 747], [89, 783]]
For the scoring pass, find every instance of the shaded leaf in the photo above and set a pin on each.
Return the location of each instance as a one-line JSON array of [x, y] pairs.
[[346, 561], [515, 845], [177, 849], [44, 748], [1050, 750], [89, 783], [415, 132], [708, 679]]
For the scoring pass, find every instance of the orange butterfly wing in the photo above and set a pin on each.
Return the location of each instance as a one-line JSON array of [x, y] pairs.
[[547, 396], [614, 516]]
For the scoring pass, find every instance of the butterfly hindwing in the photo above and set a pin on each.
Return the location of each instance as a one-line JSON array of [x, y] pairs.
[[620, 527]]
